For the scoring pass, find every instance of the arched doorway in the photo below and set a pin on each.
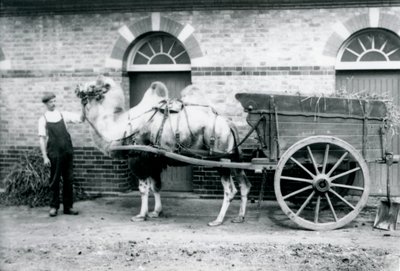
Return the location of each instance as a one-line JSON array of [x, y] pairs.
[[369, 63], [161, 57]]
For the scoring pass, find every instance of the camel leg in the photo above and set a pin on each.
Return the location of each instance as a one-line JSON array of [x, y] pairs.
[[144, 187], [229, 193], [157, 199], [245, 186]]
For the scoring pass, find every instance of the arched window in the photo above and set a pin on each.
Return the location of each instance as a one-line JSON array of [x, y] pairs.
[[370, 49], [159, 52]]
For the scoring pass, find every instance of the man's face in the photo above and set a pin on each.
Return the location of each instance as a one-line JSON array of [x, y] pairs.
[[51, 104]]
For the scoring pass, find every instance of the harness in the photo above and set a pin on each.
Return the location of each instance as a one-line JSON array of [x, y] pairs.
[[176, 106], [167, 108]]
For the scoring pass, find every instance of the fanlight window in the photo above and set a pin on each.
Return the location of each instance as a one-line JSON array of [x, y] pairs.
[[372, 49], [159, 53]]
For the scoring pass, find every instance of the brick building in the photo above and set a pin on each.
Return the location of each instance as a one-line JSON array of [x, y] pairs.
[[225, 47]]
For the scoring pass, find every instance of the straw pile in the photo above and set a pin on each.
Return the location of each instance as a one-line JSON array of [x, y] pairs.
[[28, 182]]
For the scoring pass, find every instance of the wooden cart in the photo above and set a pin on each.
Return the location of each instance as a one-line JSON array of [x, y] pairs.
[[321, 147], [318, 149]]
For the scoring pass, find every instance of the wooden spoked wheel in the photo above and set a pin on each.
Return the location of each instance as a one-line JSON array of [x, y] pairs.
[[315, 170]]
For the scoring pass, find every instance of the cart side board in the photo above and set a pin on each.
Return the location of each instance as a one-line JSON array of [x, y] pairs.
[[283, 120]]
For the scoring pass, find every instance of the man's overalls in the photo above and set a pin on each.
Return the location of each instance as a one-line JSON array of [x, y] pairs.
[[60, 153]]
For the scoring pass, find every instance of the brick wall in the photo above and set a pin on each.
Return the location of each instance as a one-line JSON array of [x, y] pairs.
[[94, 172], [232, 51]]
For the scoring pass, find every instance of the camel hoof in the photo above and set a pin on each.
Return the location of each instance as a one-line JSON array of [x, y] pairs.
[[214, 223], [155, 214], [238, 219], [138, 218]]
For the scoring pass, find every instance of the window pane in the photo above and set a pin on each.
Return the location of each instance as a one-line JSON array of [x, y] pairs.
[[156, 44], [355, 46], [348, 57], [373, 56], [167, 44], [177, 50], [145, 49], [139, 59], [183, 59], [161, 59]]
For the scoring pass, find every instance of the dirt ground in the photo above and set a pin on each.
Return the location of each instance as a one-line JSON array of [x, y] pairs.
[[102, 237]]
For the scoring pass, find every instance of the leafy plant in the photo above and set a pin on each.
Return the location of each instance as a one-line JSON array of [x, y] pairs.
[[28, 182]]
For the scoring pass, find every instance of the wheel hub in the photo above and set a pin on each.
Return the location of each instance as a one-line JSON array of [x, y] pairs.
[[321, 184]]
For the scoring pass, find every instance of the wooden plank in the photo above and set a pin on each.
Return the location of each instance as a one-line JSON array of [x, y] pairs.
[[385, 83], [312, 105]]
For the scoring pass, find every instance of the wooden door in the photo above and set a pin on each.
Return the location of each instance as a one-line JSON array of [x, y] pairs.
[[141, 81], [385, 83], [174, 178]]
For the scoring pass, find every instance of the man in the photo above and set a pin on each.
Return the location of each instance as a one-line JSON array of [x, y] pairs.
[[57, 151]]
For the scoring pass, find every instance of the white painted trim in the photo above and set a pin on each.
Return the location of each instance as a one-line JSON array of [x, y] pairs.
[[368, 65], [341, 30], [159, 67], [5, 65], [155, 21], [374, 17], [185, 33], [126, 34], [113, 63]]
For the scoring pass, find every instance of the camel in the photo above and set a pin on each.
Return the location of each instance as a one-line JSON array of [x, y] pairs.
[[195, 128]]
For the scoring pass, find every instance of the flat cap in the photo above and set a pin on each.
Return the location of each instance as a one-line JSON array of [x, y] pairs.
[[48, 96]]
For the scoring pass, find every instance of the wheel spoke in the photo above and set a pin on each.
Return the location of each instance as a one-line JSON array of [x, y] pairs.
[[300, 165], [296, 179], [344, 173], [325, 158], [343, 199], [347, 186], [305, 203], [313, 160], [331, 207], [337, 163], [297, 192], [317, 209]]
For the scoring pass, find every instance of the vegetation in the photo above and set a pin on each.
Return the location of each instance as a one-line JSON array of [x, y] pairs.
[[392, 119], [28, 182]]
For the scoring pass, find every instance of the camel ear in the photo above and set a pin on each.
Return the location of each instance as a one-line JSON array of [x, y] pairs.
[[159, 89], [100, 80]]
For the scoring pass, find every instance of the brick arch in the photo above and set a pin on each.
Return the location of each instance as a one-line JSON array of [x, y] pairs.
[[372, 18], [153, 23], [4, 63]]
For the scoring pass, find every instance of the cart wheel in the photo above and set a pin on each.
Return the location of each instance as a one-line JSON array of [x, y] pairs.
[[328, 162]]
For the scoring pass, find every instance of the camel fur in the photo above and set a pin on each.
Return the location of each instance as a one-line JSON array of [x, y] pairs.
[[198, 127]]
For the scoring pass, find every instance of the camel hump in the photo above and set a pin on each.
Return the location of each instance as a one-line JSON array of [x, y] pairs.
[[159, 89]]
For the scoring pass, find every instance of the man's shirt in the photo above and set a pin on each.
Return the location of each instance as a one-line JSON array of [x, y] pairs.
[[55, 116]]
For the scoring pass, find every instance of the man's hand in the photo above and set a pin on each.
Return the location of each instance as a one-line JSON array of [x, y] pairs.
[[46, 161]]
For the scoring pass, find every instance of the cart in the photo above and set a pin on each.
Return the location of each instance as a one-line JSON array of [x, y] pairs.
[[322, 147], [318, 148]]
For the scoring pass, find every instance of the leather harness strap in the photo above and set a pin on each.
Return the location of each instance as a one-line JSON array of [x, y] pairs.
[[160, 130], [165, 109], [212, 138]]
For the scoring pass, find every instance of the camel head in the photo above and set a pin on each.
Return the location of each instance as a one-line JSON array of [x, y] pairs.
[[102, 93]]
